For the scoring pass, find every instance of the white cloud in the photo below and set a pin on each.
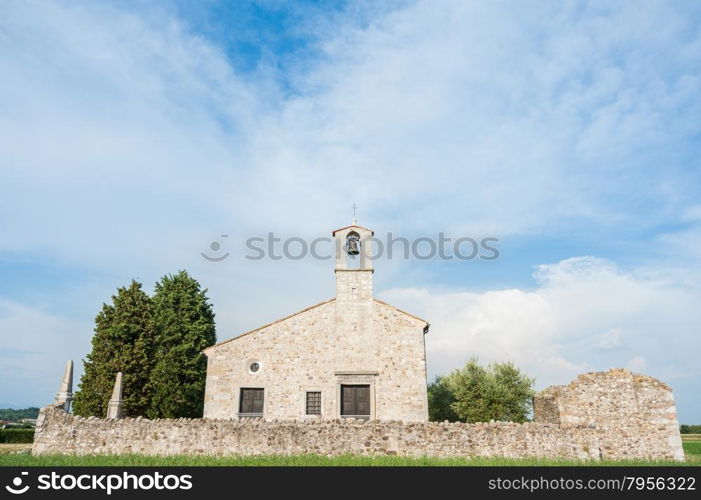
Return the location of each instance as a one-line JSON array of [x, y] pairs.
[[124, 134], [637, 364], [610, 339], [554, 331]]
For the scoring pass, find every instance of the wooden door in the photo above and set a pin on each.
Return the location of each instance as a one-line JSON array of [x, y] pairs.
[[355, 400]]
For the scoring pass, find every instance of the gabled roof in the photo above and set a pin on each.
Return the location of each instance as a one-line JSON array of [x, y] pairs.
[[269, 324], [333, 233], [401, 311], [427, 324]]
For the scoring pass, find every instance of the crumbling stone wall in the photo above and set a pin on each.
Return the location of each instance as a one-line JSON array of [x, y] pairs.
[[636, 406], [545, 406], [611, 415]]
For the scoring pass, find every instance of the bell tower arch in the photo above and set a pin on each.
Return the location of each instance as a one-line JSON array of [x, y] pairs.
[[354, 266]]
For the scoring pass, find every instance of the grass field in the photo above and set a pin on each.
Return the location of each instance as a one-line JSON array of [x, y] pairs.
[[11, 448], [9, 457]]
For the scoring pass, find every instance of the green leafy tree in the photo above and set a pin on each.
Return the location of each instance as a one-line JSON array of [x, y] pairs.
[[11, 414], [184, 327], [440, 399], [122, 342], [499, 391]]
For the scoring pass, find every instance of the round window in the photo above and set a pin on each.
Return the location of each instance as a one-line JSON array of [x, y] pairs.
[[254, 367]]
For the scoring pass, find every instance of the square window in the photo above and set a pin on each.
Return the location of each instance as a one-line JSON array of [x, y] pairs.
[[355, 401], [251, 402], [313, 403]]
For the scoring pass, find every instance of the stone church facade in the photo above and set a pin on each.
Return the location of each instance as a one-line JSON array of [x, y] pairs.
[[350, 356]]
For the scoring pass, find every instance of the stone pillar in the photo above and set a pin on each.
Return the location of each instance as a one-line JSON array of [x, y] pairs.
[[114, 407], [64, 396]]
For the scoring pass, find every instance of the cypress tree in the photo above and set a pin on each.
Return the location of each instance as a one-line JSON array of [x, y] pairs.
[[184, 327], [122, 342]]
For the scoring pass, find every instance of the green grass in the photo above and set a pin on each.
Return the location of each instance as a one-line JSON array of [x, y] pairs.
[[692, 449]]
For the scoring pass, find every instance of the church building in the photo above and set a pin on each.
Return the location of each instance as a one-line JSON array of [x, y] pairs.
[[349, 356]]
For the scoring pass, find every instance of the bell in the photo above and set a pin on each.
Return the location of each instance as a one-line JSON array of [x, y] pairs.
[[353, 246]]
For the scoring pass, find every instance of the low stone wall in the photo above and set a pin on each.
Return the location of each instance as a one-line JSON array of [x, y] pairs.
[[58, 432], [606, 415]]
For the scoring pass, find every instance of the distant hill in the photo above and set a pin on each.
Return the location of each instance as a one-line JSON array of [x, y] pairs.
[[10, 414]]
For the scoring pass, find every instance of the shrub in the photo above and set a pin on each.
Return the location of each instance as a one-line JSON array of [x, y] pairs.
[[440, 399], [16, 436], [499, 391]]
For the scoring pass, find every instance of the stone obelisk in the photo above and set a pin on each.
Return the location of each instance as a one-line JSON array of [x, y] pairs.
[[114, 407], [64, 396]]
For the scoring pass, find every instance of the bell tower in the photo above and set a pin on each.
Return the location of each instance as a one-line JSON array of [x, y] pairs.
[[354, 267]]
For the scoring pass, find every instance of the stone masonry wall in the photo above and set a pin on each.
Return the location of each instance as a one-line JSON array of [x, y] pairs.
[[58, 432], [606, 415], [340, 341], [616, 401]]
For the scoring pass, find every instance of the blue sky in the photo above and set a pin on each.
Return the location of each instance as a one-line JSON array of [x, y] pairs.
[[132, 135]]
